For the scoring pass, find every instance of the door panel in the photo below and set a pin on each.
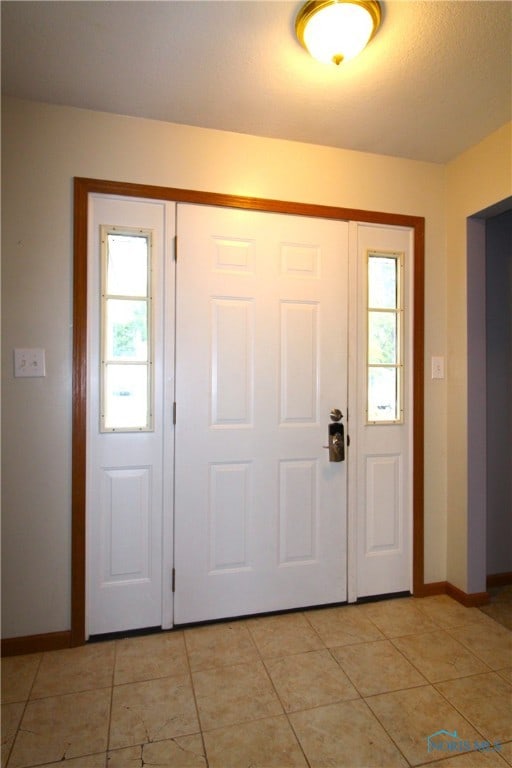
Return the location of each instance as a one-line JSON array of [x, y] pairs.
[[260, 515], [381, 479], [128, 497]]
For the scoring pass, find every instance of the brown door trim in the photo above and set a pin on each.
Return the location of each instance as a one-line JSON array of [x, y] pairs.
[[82, 188]]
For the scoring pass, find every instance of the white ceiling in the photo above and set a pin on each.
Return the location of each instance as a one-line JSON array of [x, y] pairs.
[[435, 80]]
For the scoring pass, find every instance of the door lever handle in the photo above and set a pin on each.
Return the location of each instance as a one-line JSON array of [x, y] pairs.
[[335, 442], [336, 445]]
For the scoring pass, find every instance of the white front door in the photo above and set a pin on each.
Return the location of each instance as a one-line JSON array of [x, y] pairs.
[[264, 351], [261, 360], [129, 426]]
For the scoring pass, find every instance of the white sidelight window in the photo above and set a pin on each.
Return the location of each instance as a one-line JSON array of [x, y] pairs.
[[126, 338], [385, 338]]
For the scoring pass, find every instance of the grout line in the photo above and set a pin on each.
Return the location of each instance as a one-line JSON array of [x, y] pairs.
[[24, 709], [461, 713], [390, 737], [464, 717], [201, 732], [286, 714], [111, 701]]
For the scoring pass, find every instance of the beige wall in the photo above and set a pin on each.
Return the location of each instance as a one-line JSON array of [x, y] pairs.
[[477, 179], [43, 148]]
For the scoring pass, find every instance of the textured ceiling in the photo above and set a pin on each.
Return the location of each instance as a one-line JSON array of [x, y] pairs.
[[436, 79]]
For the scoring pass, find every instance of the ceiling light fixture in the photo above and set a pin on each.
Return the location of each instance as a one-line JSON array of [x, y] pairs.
[[337, 30]]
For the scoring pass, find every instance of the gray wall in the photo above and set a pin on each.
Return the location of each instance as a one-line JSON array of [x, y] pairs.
[[499, 400]]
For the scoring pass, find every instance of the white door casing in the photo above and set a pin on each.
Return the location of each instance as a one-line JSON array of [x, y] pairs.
[[260, 512], [128, 494]]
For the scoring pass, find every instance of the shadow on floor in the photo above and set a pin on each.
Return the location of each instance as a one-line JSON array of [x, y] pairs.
[[500, 606]]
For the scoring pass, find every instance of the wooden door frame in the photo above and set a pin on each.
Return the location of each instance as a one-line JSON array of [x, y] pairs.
[[83, 187]]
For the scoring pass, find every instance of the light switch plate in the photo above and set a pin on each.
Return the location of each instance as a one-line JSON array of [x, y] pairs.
[[29, 362]]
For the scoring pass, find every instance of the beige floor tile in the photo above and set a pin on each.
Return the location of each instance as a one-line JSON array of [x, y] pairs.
[[487, 759], [11, 716], [184, 752], [343, 626], [284, 635], [74, 669], [399, 617], [307, 680], [90, 761], [506, 752], [268, 743], [151, 711], [345, 735], [149, 657], [506, 674], [228, 695], [62, 727], [488, 640], [500, 606], [447, 612], [501, 612], [219, 645], [411, 716], [127, 757], [18, 674], [377, 667], [438, 656], [486, 701]]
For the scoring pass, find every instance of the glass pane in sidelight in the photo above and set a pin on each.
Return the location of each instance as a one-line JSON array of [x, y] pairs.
[[126, 327], [382, 282], [382, 338], [126, 397], [383, 394], [127, 264]]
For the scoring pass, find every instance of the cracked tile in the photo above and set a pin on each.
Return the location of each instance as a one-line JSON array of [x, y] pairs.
[[183, 752], [152, 710], [90, 761], [62, 727]]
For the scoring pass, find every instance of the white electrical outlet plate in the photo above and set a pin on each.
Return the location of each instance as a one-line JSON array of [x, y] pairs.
[[438, 367], [29, 362]]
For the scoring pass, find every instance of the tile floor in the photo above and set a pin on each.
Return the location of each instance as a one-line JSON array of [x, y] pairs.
[[356, 686]]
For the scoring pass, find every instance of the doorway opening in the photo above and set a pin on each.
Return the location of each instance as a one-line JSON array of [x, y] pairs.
[[489, 310]]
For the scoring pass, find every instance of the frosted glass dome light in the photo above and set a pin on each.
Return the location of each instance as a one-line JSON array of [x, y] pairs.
[[337, 30]]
